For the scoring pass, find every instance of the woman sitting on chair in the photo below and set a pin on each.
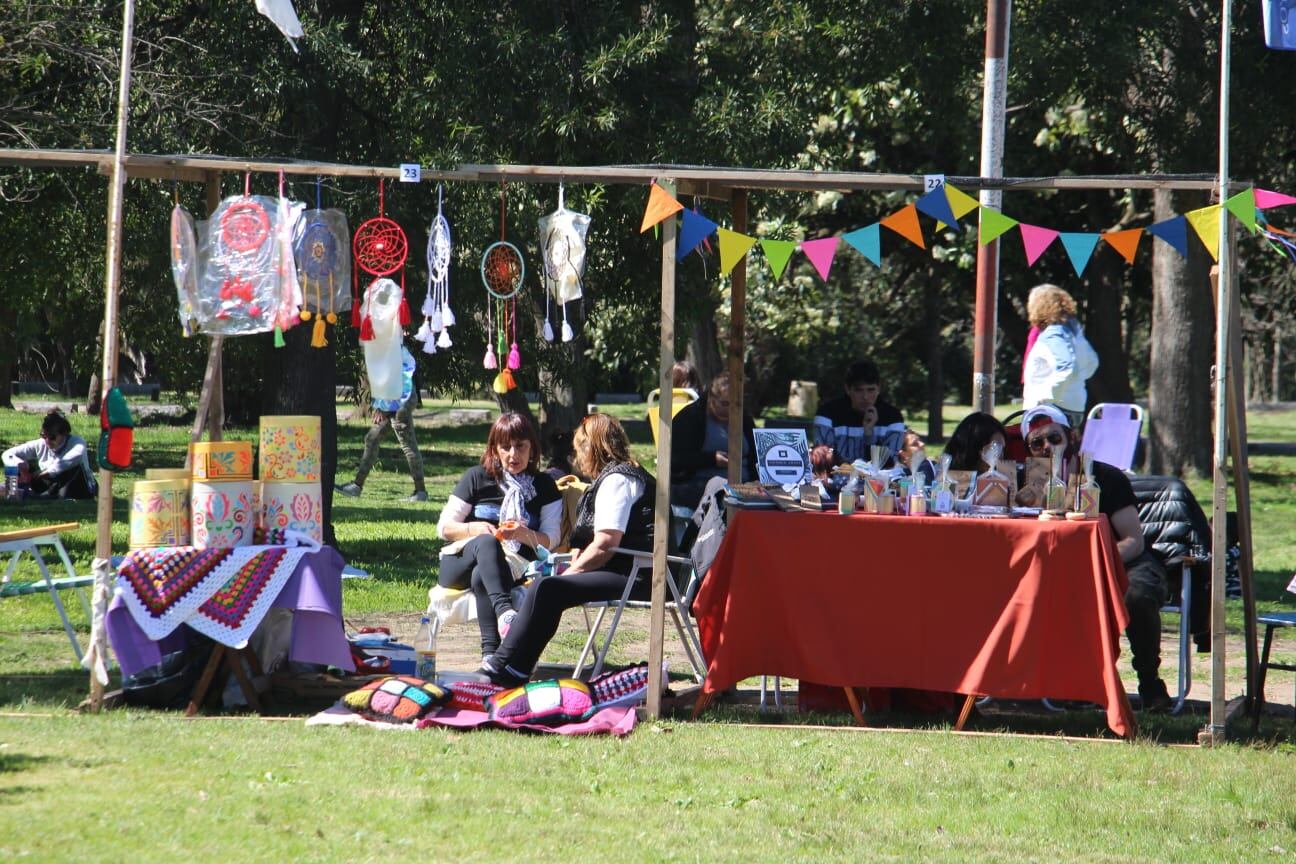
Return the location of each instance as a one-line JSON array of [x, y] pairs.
[[970, 438], [498, 513], [616, 510]]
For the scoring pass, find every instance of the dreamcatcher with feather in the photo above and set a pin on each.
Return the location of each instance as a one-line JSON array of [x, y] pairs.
[[438, 318], [322, 254], [502, 272], [379, 248], [562, 250]]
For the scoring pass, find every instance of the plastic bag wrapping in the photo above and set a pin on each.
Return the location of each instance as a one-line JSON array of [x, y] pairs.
[[562, 247], [290, 294], [322, 249], [184, 267], [381, 305], [407, 384], [239, 288]]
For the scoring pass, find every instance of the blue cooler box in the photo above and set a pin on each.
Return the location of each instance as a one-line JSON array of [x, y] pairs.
[[400, 655]]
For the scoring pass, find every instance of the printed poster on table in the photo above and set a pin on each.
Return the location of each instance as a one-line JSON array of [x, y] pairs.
[[782, 456]]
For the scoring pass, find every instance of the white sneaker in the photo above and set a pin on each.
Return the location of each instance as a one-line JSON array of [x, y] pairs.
[[350, 490], [417, 497]]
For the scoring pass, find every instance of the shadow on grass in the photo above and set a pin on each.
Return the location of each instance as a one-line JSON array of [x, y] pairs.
[[60, 689]]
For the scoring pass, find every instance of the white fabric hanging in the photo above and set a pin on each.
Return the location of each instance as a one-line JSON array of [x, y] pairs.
[[383, 352]]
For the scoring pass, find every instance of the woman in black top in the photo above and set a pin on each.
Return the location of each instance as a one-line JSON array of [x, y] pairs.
[[498, 513], [616, 510]]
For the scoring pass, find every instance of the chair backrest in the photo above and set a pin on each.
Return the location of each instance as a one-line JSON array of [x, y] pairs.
[[1111, 433], [680, 396]]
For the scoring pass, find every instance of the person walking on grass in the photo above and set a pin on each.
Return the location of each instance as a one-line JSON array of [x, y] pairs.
[[399, 415]]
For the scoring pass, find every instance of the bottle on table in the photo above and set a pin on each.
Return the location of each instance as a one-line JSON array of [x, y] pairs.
[[425, 650]]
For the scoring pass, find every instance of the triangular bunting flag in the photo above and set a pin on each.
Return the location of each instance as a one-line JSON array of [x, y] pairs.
[[695, 229], [1265, 199], [905, 223], [733, 246], [660, 205], [777, 253], [867, 241], [960, 202], [1036, 240], [936, 205], [1243, 207], [994, 223], [1173, 231], [1079, 248], [1125, 242], [820, 253], [1206, 222]]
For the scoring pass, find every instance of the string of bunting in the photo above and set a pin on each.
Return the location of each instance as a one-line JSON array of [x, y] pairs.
[[947, 205]]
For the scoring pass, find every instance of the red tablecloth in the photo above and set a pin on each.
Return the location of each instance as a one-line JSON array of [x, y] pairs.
[[1012, 608]]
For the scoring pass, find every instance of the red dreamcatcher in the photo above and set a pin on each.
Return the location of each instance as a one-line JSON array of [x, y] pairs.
[[379, 248], [244, 232]]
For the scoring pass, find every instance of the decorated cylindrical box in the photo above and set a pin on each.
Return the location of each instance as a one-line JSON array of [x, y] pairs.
[[222, 513], [159, 514], [221, 460], [167, 474], [292, 506], [290, 449]]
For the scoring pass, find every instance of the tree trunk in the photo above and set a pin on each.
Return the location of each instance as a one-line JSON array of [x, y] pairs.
[[300, 379], [704, 350], [563, 396], [1179, 395], [1102, 325]]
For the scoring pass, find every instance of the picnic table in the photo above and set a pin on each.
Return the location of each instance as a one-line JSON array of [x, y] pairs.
[[28, 541]]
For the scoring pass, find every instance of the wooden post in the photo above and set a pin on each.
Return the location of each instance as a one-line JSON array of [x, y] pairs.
[[661, 522], [737, 332], [211, 401]]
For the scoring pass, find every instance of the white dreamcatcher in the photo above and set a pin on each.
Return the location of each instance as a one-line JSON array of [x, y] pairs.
[[438, 317], [562, 248]]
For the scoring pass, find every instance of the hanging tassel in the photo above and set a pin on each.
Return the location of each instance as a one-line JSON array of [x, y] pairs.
[[443, 341], [317, 334], [366, 329], [548, 331], [567, 334], [424, 332], [500, 385], [429, 307], [489, 361], [404, 312], [509, 383], [514, 357], [430, 346], [434, 321], [447, 315], [355, 314], [278, 339]]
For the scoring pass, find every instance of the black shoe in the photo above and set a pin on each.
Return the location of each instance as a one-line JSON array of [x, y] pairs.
[[504, 679], [1155, 698]]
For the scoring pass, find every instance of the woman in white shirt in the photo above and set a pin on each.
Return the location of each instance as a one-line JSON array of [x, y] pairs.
[[1061, 360], [616, 510], [62, 462]]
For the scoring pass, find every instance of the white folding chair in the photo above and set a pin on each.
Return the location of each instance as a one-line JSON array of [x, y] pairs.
[[1111, 433]]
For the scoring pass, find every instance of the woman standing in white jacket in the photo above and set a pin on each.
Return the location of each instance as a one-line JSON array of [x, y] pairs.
[[1061, 360]]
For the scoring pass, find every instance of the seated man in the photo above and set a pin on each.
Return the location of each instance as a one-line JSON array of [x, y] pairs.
[[1045, 427], [61, 461], [700, 444], [855, 421]]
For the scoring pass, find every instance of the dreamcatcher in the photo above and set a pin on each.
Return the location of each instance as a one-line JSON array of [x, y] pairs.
[[502, 272], [562, 249], [239, 290], [438, 318], [379, 248], [184, 266], [321, 252]]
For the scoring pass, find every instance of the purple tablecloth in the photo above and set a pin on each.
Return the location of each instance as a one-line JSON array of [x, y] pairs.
[[313, 593]]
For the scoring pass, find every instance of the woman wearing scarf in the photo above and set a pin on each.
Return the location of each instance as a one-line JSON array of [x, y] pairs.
[[616, 510], [497, 515]]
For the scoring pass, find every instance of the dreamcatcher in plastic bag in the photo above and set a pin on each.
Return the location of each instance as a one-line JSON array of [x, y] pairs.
[[322, 253], [438, 318], [184, 267], [239, 289], [290, 295], [562, 249], [379, 248], [502, 272]]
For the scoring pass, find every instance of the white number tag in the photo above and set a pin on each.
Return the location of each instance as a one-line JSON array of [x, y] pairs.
[[410, 173], [933, 181]]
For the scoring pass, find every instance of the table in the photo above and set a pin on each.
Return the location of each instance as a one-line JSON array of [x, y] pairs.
[[1011, 608], [313, 593], [29, 540]]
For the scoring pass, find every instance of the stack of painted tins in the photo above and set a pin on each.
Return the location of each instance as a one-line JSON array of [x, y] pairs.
[[223, 494], [159, 513], [289, 458]]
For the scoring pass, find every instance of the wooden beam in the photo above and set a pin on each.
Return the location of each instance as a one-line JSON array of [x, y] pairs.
[[737, 326]]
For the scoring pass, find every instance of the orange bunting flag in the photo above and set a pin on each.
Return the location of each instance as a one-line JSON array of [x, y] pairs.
[[1206, 222], [733, 248], [1125, 242], [660, 205], [960, 202], [905, 223]]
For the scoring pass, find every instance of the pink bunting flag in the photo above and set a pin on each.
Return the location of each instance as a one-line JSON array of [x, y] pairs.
[[1036, 240], [820, 253], [1264, 199]]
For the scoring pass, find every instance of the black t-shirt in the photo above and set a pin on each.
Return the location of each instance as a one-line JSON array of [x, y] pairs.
[[485, 495], [1114, 490]]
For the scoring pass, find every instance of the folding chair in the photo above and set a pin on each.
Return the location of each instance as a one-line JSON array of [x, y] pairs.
[[1272, 621], [1111, 433], [680, 397], [29, 541]]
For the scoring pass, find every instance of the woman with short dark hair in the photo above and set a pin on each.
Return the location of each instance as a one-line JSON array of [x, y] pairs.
[[62, 461]]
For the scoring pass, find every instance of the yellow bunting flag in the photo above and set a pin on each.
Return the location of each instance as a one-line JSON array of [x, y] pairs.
[[1125, 242], [1206, 222], [960, 202], [733, 247], [660, 205], [994, 224], [905, 223]]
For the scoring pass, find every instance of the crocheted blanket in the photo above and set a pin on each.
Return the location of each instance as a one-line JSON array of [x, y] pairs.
[[221, 593]]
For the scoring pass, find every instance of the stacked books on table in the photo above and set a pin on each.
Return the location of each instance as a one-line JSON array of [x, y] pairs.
[[749, 496]]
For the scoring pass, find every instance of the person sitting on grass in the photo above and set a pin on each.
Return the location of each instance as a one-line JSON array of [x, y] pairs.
[[498, 513], [616, 510], [55, 465], [1046, 428]]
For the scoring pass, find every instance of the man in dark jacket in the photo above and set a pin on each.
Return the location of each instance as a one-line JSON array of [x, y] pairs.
[[700, 444]]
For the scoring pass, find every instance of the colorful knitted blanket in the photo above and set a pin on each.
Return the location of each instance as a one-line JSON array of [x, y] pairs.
[[221, 593]]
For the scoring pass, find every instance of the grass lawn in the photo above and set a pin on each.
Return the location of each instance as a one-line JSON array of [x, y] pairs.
[[146, 786]]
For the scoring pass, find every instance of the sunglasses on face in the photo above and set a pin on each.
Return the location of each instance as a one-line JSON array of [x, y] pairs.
[[1054, 438]]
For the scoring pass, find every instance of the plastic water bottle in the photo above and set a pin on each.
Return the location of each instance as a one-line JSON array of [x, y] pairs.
[[425, 651], [11, 482]]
